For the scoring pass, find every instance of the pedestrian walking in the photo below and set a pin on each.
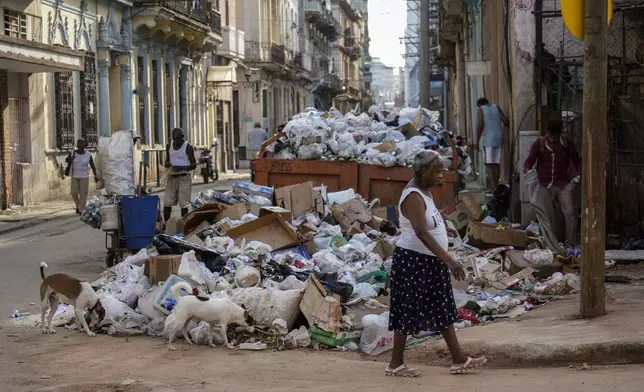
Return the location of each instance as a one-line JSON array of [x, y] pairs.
[[180, 160], [421, 287], [79, 162], [490, 133], [256, 137], [551, 156]]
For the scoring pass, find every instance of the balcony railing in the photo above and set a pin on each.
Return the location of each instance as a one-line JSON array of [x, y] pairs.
[[201, 11], [215, 21], [256, 52], [318, 14], [21, 25]]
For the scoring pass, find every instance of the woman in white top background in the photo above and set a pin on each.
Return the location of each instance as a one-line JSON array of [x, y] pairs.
[[79, 162], [421, 289]]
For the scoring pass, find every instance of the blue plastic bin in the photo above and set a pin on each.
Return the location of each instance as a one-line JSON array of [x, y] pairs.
[[139, 215]]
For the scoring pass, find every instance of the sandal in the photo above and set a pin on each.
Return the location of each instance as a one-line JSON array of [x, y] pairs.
[[471, 363], [402, 371]]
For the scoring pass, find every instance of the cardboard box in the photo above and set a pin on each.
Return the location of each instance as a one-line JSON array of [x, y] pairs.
[[481, 235], [174, 226], [237, 211], [159, 268], [270, 229], [193, 238], [461, 213], [286, 214], [321, 310], [207, 212], [515, 262], [252, 189], [298, 198]]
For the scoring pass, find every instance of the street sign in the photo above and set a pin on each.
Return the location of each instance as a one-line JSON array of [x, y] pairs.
[[477, 68], [572, 12]]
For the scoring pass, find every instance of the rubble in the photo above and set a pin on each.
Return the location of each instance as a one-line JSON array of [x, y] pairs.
[[311, 267]]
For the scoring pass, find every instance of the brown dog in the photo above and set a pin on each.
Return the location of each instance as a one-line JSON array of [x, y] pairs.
[[63, 288]]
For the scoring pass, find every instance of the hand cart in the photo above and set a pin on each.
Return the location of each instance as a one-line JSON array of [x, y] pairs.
[[137, 219]]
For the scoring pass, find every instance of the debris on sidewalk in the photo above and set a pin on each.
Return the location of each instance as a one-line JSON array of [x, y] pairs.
[[312, 267]]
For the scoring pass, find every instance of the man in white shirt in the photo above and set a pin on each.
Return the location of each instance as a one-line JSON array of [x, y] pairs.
[[180, 159], [256, 137]]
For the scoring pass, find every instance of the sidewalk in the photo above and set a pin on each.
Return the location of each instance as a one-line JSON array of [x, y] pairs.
[[554, 335], [19, 217]]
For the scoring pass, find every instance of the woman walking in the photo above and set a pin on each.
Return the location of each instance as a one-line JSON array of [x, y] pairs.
[[421, 288], [78, 165]]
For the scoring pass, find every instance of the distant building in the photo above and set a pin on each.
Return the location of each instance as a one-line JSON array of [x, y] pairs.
[[386, 82]]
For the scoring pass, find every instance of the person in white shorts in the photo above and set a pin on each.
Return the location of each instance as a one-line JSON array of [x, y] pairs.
[[490, 132], [180, 159]]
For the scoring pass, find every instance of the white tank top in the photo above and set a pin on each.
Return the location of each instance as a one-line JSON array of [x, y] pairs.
[[179, 157], [80, 165], [408, 238]]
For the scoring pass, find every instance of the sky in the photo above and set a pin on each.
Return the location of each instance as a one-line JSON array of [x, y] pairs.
[[387, 20]]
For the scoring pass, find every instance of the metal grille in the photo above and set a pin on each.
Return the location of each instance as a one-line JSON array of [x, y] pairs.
[[155, 101], [560, 79], [141, 101], [15, 24], [168, 101], [64, 92], [89, 129]]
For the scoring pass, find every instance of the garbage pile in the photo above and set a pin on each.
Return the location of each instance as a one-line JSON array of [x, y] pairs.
[[367, 138], [312, 269]]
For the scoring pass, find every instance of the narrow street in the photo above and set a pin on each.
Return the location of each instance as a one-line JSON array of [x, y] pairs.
[[66, 362]]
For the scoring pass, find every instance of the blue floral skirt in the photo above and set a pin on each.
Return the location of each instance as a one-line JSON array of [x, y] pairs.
[[421, 293]]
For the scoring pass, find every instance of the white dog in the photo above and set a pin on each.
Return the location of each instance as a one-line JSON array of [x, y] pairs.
[[214, 311], [63, 288]]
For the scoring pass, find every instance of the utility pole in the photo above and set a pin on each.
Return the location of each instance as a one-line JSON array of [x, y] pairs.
[[425, 46], [595, 127]]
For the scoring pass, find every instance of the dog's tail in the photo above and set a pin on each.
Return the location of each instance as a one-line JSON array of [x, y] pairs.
[[43, 265], [177, 288]]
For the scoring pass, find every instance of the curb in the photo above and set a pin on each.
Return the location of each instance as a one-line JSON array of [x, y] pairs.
[[526, 355]]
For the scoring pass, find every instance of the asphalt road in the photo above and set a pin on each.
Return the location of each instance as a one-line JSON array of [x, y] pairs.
[[65, 244]]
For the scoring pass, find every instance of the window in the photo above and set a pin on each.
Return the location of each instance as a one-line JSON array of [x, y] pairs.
[[88, 125], [182, 95], [264, 104], [168, 101], [141, 101], [64, 105], [220, 117], [226, 11], [15, 24], [155, 102]]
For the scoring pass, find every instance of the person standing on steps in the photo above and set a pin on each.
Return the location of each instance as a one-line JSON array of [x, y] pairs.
[[421, 289], [490, 131], [180, 160], [79, 162]]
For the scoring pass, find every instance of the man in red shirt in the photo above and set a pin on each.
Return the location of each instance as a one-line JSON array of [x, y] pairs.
[[551, 156]]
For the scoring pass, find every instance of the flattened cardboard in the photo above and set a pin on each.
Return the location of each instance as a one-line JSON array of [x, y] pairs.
[[321, 310], [296, 198], [174, 226], [464, 211], [207, 212], [236, 211], [252, 189], [481, 234], [270, 229], [286, 214], [159, 268]]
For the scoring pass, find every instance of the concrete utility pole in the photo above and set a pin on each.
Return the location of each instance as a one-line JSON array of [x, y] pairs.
[[425, 66], [595, 127]]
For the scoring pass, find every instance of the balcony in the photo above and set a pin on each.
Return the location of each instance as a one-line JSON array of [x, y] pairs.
[[198, 22], [22, 48], [263, 54], [349, 11], [451, 19], [233, 45], [222, 75], [297, 61], [317, 14]]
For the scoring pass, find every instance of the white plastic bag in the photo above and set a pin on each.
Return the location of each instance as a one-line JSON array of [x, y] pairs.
[[117, 163], [291, 283], [266, 305], [376, 337], [189, 268], [298, 338], [137, 259], [539, 258], [201, 334]]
